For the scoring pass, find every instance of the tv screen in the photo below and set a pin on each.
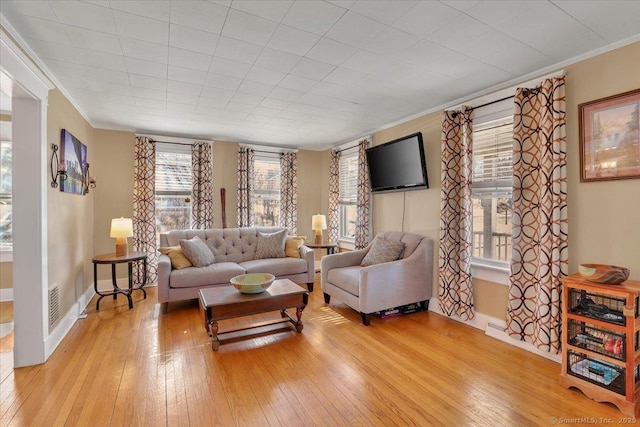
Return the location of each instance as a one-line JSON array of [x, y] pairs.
[[398, 165]]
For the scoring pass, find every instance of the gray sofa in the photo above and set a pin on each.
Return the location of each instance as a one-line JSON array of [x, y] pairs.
[[234, 250], [381, 286]]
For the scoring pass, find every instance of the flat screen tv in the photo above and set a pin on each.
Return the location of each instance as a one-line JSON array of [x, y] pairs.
[[398, 165]]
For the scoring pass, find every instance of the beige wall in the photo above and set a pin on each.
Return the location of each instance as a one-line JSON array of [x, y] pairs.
[[114, 195], [604, 218], [6, 275], [70, 216]]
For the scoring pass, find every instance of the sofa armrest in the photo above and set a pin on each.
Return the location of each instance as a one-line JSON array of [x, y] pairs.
[[339, 260], [398, 282], [308, 255], [164, 271]]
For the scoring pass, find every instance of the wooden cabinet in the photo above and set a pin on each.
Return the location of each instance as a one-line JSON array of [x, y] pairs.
[[600, 351]]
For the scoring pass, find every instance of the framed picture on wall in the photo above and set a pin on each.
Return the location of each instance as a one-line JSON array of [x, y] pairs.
[[73, 158], [610, 137]]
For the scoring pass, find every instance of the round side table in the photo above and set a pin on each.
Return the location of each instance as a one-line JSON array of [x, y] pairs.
[[113, 260]]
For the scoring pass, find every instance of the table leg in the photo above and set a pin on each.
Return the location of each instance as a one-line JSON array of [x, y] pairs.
[[128, 294], [144, 278], [213, 331], [114, 281], [299, 316], [95, 285]]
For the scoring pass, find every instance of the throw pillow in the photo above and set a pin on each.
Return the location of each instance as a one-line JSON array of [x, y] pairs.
[[292, 246], [177, 257], [197, 251], [271, 245], [382, 251]]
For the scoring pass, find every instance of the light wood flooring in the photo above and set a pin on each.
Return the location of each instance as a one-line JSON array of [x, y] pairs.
[[121, 367]]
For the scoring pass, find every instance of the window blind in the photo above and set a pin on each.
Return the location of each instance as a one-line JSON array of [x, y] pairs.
[[267, 178], [173, 173], [348, 179], [493, 156]]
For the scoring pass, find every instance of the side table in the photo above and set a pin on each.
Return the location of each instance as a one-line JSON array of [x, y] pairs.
[[329, 246], [112, 259]]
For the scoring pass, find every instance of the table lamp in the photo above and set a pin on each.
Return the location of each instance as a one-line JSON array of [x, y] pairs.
[[318, 223], [121, 228]]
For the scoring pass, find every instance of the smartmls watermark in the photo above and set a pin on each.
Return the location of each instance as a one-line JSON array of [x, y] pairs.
[[594, 420]]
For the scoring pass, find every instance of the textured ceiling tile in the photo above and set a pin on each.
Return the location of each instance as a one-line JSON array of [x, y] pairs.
[[314, 16], [269, 9], [201, 15], [84, 15], [355, 30], [151, 9], [248, 28], [142, 28], [192, 39], [292, 40]]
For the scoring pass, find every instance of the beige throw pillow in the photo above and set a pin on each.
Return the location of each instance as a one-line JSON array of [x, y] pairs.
[[197, 251], [177, 257], [271, 245], [292, 246], [382, 251]]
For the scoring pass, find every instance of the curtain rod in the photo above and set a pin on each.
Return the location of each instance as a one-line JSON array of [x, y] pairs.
[[526, 90], [348, 148]]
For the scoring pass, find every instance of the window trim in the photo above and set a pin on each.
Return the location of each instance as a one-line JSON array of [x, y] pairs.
[[342, 203], [268, 157]]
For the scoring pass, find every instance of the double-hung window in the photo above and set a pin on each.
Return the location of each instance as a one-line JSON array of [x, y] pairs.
[[266, 200], [491, 191], [173, 187], [6, 226], [348, 195]]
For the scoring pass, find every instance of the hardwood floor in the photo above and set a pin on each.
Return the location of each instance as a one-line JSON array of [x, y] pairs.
[[123, 367]]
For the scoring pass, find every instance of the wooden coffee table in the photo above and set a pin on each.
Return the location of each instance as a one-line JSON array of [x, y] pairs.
[[226, 302]]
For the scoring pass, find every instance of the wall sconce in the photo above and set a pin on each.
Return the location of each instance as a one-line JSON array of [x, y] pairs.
[[88, 181], [57, 170]]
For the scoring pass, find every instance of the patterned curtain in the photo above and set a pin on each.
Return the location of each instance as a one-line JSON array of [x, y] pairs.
[[144, 205], [202, 192], [246, 164], [363, 202], [454, 273], [289, 191], [539, 219], [334, 195]]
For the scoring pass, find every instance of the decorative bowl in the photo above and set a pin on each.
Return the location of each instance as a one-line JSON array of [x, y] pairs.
[[601, 273], [252, 283]]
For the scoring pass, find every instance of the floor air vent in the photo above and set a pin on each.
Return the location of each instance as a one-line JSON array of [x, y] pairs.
[[54, 305]]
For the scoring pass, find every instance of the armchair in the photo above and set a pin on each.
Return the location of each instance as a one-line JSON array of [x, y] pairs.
[[380, 286]]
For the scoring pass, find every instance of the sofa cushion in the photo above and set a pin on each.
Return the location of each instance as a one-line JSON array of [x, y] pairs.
[[346, 278], [177, 257], [276, 266], [271, 245], [382, 250], [292, 246], [196, 251], [213, 274]]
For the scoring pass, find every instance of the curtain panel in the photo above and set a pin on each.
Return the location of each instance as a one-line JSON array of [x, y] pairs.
[[144, 206], [455, 291], [202, 192], [539, 218], [289, 191], [363, 200], [333, 216], [246, 166]]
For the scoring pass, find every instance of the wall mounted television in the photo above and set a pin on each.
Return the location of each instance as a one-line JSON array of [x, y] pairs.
[[398, 165]]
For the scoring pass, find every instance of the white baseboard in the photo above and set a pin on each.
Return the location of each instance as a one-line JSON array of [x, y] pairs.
[[495, 328], [57, 335], [6, 295]]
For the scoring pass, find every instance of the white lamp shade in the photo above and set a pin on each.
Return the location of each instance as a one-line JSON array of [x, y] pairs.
[[121, 227], [318, 222]]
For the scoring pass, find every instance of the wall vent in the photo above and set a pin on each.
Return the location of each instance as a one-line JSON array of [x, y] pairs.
[[54, 305]]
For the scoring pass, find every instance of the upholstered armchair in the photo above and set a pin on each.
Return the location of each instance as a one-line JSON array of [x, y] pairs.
[[380, 286]]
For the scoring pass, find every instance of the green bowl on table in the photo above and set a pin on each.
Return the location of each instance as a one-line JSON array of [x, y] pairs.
[[253, 283], [605, 274]]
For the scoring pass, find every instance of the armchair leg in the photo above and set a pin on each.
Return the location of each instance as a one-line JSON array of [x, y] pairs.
[[164, 307], [327, 297], [310, 286], [365, 319]]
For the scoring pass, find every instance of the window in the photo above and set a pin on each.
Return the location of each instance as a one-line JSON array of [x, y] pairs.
[[491, 190], [348, 195], [266, 201], [6, 233], [173, 188]]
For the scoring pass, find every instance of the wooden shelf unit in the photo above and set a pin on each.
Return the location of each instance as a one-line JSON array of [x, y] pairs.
[[620, 320]]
